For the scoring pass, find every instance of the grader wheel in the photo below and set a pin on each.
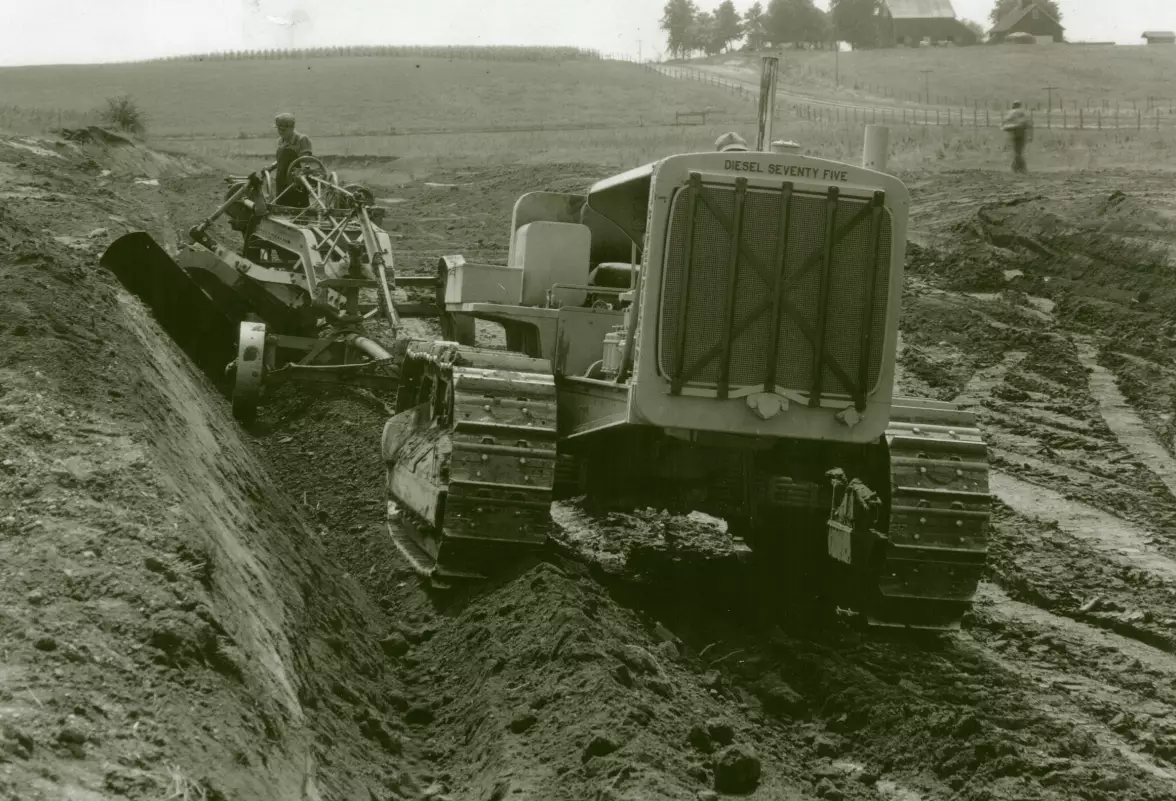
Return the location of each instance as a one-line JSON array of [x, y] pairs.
[[250, 371]]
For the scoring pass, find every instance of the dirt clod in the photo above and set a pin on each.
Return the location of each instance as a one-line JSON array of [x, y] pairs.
[[395, 644], [600, 745], [737, 769], [420, 715], [700, 739], [721, 731], [827, 789], [523, 721]]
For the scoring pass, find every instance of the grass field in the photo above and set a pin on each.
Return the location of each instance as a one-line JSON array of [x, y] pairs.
[[348, 96], [613, 114], [1092, 75]]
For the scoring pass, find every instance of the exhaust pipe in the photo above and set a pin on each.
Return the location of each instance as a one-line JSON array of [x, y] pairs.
[[767, 102]]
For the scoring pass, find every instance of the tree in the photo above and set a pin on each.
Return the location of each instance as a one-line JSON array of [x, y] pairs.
[[1003, 7], [704, 35], [856, 21], [677, 20], [728, 26], [975, 27], [795, 21], [753, 26]]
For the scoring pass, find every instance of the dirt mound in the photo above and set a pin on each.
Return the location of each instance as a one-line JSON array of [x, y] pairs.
[[540, 684], [171, 625], [94, 135]]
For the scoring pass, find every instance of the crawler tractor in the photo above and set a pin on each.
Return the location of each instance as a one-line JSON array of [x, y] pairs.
[[298, 300], [712, 332]]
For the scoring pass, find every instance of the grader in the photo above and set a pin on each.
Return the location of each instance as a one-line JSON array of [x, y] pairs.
[[299, 301]]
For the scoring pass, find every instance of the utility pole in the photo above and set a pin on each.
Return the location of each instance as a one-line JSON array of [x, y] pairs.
[[1049, 102], [638, 51], [927, 84], [837, 63]]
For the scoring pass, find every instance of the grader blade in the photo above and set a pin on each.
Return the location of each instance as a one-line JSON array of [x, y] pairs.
[[471, 463], [198, 324]]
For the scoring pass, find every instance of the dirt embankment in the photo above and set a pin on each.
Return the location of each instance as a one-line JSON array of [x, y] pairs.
[[170, 623]]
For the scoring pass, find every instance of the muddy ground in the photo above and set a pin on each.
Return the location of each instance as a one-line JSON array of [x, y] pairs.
[[192, 610]]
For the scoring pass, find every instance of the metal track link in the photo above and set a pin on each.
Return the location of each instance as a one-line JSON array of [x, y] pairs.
[[939, 517], [493, 457]]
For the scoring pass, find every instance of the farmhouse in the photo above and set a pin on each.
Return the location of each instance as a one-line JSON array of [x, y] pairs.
[[1159, 37], [909, 22], [1030, 19]]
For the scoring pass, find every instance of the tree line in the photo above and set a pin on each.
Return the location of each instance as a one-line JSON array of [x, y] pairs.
[[499, 53], [798, 23]]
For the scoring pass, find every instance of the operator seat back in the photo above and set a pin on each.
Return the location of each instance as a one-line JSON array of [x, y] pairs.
[[552, 253]]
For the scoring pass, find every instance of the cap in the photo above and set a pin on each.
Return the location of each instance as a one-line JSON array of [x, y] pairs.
[[284, 119], [730, 141]]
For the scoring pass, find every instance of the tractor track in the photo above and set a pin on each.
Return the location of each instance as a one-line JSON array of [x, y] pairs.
[[620, 665]]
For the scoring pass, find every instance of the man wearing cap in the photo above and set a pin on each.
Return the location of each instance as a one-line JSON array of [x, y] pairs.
[[291, 145], [1019, 126], [729, 142]]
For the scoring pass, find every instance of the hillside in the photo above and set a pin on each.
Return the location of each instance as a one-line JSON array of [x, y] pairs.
[[363, 95], [1090, 75]]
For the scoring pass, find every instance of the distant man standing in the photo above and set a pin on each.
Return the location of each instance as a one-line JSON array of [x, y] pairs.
[[1018, 125], [291, 145]]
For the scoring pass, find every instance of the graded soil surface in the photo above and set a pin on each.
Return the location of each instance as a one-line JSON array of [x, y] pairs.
[[193, 609]]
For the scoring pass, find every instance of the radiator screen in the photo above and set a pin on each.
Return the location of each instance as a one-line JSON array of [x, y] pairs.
[[803, 263]]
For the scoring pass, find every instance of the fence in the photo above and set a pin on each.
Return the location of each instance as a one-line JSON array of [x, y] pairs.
[[977, 116]]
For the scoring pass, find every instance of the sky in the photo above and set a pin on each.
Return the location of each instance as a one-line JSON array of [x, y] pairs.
[[94, 31]]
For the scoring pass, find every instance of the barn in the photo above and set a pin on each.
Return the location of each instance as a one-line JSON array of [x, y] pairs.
[[1031, 19], [1159, 37], [909, 22]]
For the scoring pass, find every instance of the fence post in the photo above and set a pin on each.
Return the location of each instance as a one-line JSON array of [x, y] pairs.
[[1138, 119], [1099, 113], [1079, 119], [987, 118]]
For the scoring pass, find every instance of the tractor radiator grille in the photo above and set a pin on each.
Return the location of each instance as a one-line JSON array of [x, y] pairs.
[[732, 330]]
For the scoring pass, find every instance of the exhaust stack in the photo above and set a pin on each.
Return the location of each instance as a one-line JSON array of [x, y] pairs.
[[767, 101]]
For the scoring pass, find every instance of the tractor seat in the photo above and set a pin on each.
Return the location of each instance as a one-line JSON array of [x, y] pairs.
[[615, 275]]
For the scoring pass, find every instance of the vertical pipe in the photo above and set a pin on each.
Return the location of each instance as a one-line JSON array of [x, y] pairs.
[[767, 101], [876, 148]]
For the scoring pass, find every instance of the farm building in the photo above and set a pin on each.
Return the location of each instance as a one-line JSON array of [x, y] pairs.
[[1159, 37], [1031, 19], [909, 22]]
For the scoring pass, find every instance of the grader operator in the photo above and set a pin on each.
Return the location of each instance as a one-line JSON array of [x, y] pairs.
[[292, 145]]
